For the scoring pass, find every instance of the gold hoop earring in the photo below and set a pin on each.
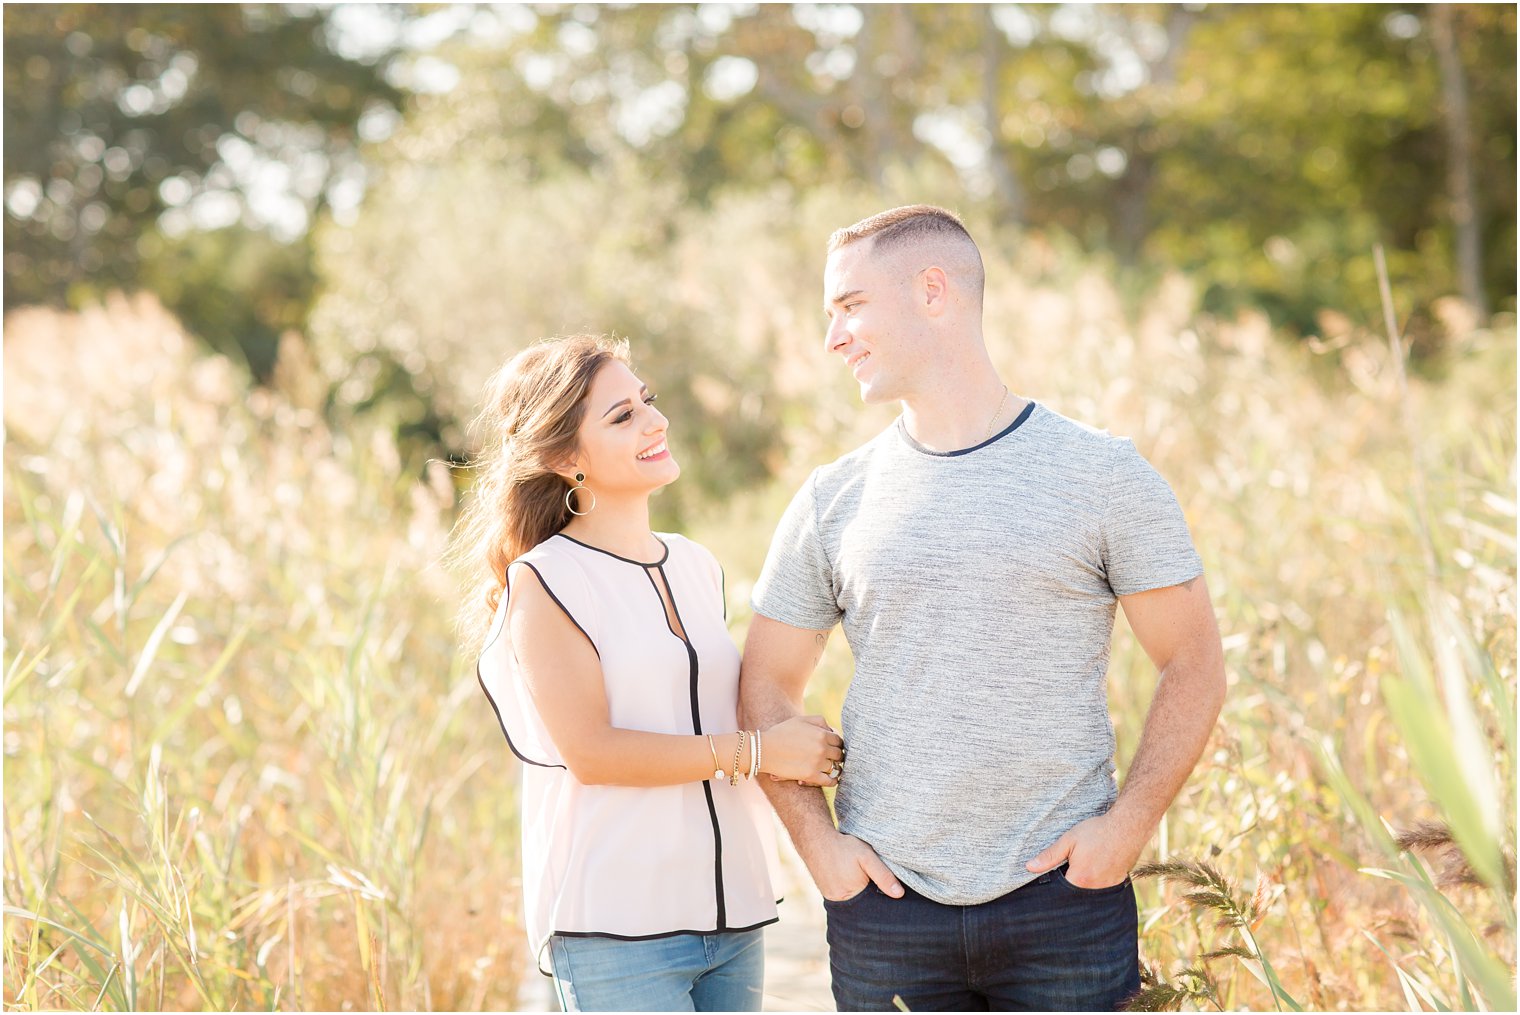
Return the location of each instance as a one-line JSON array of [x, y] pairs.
[[579, 487]]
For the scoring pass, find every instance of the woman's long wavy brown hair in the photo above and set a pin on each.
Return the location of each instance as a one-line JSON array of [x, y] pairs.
[[533, 409]]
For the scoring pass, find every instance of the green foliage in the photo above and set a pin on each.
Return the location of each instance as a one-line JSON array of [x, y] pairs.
[[1264, 149], [1327, 121], [240, 288], [419, 296], [528, 201], [1456, 759], [116, 114]]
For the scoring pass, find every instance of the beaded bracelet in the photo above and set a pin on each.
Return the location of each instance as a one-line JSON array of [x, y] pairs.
[[738, 753]]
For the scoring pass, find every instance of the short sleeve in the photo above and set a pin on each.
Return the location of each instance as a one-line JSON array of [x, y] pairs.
[[566, 584], [497, 669], [796, 586], [1146, 544]]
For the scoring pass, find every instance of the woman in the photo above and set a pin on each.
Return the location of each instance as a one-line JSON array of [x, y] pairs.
[[608, 662]]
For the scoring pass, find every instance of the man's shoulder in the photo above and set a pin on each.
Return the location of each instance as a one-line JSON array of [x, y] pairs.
[[1063, 429], [1068, 444], [851, 465]]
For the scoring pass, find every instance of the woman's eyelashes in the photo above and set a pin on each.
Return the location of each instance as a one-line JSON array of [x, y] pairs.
[[628, 414]]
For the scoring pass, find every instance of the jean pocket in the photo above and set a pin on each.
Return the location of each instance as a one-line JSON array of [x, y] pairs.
[[836, 903], [1060, 876]]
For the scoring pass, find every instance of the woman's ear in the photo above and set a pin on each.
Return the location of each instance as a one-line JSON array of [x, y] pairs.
[[567, 469]]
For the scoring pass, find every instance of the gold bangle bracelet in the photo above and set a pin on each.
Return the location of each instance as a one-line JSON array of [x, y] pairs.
[[717, 765]]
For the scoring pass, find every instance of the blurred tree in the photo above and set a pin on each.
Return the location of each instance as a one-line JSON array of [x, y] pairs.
[[1253, 145], [1273, 171], [1263, 149], [241, 287], [129, 125], [1456, 120]]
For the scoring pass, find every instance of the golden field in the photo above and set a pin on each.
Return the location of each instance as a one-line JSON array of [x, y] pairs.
[[246, 766]]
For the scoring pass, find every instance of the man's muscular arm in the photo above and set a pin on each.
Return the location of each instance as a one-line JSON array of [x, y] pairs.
[[778, 662], [1176, 628]]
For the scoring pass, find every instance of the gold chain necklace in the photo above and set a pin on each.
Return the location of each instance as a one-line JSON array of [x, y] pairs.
[[995, 415]]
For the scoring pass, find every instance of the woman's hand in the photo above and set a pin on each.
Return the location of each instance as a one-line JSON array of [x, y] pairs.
[[805, 749]]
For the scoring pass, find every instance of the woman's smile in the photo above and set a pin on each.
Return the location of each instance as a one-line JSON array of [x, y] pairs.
[[655, 453]]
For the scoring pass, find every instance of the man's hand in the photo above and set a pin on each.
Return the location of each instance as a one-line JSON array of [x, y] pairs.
[[778, 660], [1099, 851], [844, 867]]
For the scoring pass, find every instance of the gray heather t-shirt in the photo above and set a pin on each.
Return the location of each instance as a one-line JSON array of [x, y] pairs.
[[976, 589]]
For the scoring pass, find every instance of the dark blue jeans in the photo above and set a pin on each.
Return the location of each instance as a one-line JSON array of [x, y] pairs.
[[1048, 946]]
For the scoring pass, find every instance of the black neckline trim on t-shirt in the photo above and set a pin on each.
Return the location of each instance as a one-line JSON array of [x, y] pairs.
[[626, 560], [1010, 428]]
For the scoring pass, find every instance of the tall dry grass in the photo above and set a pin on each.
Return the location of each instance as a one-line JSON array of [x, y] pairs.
[[244, 767], [236, 733]]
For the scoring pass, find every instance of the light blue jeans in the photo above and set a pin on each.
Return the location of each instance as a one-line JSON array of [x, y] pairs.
[[682, 972]]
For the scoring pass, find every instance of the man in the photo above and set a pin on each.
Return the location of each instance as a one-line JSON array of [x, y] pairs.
[[974, 552]]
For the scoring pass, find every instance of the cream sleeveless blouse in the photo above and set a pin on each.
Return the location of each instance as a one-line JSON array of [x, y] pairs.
[[635, 862]]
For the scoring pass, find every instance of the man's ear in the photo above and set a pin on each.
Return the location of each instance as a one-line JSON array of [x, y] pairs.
[[934, 290]]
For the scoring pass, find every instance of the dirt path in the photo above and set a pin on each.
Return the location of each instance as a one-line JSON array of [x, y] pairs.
[[796, 954]]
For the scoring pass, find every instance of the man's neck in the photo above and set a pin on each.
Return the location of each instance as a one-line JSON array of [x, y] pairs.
[[960, 411]]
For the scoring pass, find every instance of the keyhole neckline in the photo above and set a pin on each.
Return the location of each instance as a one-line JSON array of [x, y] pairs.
[[627, 560]]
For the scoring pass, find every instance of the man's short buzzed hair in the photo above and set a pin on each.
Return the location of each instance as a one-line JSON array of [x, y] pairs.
[[899, 228]]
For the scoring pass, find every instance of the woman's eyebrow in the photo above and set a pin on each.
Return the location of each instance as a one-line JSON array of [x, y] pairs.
[[643, 390]]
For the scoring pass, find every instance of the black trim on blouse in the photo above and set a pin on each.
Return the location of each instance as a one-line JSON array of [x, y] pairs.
[[654, 937], [626, 560], [564, 609], [510, 745], [507, 583], [696, 728], [696, 722]]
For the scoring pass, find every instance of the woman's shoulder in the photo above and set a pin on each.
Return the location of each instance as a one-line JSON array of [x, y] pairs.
[[551, 550], [685, 546], [687, 553], [555, 563], [564, 577]]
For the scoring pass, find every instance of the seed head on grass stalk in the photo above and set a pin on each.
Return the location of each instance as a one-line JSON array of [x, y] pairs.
[[1436, 837], [1193, 984], [1212, 892]]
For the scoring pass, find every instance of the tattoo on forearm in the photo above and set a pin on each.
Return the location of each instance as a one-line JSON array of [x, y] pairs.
[[821, 639]]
